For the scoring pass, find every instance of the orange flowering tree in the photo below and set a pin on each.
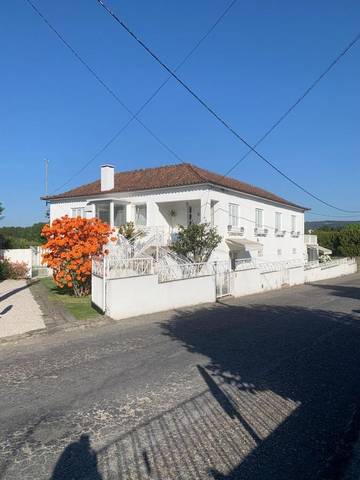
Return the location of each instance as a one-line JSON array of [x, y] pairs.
[[71, 245]]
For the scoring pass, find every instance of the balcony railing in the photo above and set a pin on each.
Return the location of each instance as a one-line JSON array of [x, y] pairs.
[[260, 231], [295, 233], [310, 239], [236, 231], [279, 232], [168, 273]]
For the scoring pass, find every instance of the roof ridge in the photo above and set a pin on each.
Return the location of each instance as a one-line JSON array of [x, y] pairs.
[[151, 168]]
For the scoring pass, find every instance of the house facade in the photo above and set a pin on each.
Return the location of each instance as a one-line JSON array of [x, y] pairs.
[[252, 222]]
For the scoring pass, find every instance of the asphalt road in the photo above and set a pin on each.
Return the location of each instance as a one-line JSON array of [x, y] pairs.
[[259, 388]]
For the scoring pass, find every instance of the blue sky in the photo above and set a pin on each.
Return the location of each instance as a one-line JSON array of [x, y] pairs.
[[259, 59]]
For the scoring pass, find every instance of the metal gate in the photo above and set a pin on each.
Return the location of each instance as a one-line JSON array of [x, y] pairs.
[[222, 278]]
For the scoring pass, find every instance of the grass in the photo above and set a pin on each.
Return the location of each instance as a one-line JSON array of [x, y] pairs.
[[79, 307]]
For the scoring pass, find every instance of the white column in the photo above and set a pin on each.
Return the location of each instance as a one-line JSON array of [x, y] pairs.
[[205, 209], [112, 214]]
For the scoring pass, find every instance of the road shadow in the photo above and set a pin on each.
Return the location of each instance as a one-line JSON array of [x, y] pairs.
[[14, 291], [77, 462], [6, 310], [280, 389]]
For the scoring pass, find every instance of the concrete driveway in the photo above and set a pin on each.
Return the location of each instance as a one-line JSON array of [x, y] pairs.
[[260, 388], [19, 312]]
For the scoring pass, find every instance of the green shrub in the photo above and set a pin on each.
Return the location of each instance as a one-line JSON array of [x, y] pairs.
[[4, 269]]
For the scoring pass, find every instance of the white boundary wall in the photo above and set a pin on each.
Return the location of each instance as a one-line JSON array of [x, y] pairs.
[[141, 295], [18, 255], [128, 297], [324, 271]]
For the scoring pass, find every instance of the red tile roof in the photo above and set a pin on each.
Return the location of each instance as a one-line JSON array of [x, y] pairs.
[[183, 174]]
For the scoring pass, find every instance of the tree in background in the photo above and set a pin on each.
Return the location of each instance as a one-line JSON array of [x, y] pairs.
[[1, 211], [71, 245], [349, 241], [196, 242], [22, 237]]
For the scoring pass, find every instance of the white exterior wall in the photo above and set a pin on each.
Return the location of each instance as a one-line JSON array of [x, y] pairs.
[[160, 202], [128, 297]]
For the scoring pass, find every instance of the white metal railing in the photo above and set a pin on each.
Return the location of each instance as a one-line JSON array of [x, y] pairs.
[[167, 273], [261, 232], [267, 267], [310, 239], [245, 264], [337, 261], [111, 266], [236, 231]]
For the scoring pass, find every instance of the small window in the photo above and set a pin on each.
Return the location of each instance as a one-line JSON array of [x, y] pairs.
[[278, 221], [189, 215], [279, 252], [140, 215], [77, 212], [119, 214], [103, 212], [294, 251], [293, 223], [234, 215], [259, 218], [212, 212]]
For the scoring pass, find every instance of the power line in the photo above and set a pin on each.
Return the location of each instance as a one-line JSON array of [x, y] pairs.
[[215, 114], [135, 115], [299, 100], [107, 88]]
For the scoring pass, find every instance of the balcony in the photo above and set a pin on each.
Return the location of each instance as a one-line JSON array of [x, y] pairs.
[[279, 233], [261, 232], [310, 239], [235, 231]]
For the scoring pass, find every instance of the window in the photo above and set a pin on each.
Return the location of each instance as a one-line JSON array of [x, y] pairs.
[[278, 221], [189, 215], [234, 215], [77, 212], [259, 218], [212, 213], [293, 223], [119, 214], [279, 252], [140, 215], [103, 212], [294, 251]]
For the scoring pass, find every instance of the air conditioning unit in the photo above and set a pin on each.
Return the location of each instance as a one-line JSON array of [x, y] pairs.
[[279, 233], [261, 231], [295, 233], [235, 230]]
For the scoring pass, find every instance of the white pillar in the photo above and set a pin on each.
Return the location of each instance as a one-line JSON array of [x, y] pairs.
[[205, 209], [112, 214]]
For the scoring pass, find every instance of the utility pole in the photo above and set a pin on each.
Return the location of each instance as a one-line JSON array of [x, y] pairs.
[[46, 175], [47, 212]]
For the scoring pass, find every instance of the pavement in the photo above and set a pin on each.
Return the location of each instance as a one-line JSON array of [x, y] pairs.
[[19, 312], [263, 387]]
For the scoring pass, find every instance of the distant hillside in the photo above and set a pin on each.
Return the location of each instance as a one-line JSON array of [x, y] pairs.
[[328, 224]]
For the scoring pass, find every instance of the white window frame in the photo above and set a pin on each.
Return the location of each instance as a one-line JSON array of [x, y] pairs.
[[278, 221], [137, 223], [259, 218], [78, 212], [234, 215], [293, 223], [123, 206]]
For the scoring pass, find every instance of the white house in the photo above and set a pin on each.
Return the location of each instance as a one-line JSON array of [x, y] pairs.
[[252, 222]]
